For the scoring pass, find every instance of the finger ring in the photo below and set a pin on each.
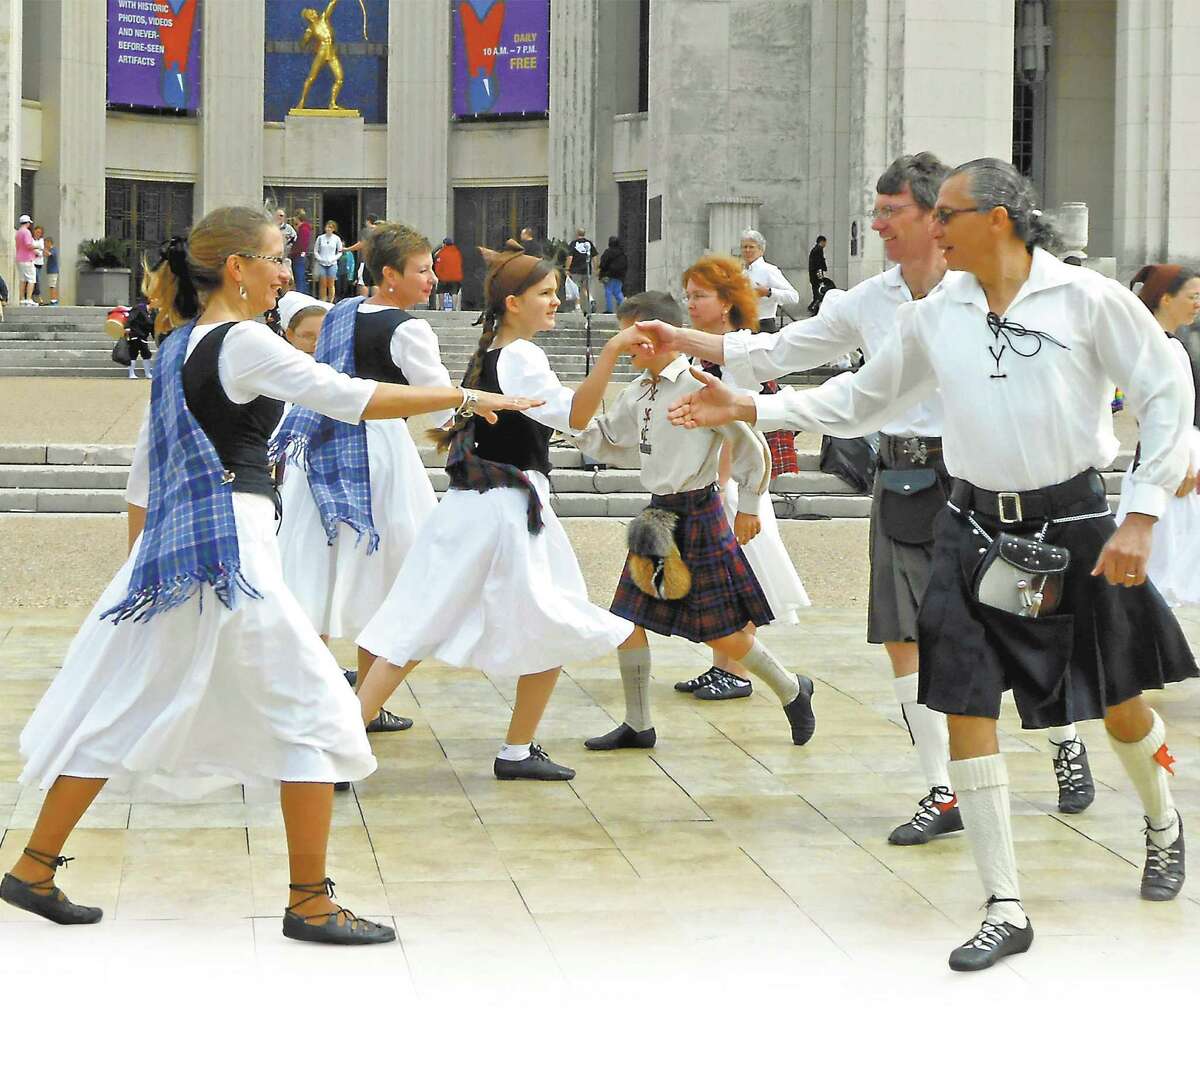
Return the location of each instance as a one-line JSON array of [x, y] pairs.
[[1131, 576]]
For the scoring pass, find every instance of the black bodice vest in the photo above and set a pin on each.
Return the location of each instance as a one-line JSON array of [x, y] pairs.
[[515, 439], [238, 431], [373, 345]]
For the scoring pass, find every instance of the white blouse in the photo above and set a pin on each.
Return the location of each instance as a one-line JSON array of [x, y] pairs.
[[864, 316], [416, 353], [524, 370], [1023, 411]]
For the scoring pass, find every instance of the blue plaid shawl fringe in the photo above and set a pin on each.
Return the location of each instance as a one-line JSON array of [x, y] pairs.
[[333, 454], [190, 538], [468, 471]]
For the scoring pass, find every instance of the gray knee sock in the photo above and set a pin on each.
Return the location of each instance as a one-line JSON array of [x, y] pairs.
[[635, 679], [760, 663]]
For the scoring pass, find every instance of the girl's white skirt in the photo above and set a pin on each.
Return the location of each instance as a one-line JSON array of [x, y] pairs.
[[769, 559], [339, 587], [478, 590], [1174, 566], [201, 696]]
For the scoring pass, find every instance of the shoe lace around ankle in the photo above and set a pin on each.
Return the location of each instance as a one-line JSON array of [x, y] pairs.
[[536, 752], [1161, 862], [928, 807], [1067, 770]]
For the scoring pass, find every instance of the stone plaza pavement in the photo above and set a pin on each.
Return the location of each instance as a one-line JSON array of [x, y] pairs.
[[724, 857]]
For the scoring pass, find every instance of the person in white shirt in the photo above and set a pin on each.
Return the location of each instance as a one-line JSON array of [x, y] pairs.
[[912, 484], [327, 252], [1026, 351], [289, 234], [769, 282], [711, 596]]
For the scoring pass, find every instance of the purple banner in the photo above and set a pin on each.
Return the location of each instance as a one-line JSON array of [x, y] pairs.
[[154, 53], [501, 57]]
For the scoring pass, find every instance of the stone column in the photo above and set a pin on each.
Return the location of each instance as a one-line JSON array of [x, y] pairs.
[[70, 183], [418, 128], [1157, 213], [231, 104], [572, 154], [727, 219], [10, 136]]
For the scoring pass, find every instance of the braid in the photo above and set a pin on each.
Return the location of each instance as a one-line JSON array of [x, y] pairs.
[[443, 438]]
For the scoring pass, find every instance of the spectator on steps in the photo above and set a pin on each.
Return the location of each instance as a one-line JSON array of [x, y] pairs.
[[614, 265]]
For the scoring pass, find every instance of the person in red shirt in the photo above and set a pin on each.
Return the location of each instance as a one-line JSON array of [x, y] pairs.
[[301, 249], [448, 267]]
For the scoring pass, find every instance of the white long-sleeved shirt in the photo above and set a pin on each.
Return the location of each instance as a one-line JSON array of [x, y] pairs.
[[415, 352], [761, 273], [635, 432], [254, 361], [864, 316], [1019, 418]]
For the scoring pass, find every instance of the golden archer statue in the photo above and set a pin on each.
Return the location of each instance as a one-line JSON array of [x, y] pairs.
[[320, 33]]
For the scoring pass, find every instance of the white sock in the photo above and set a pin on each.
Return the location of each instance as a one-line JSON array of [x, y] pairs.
[[762, 664], [929, 733], [1065, 733], [981, 784], [635, 680], [1150, 778], [513, 753]]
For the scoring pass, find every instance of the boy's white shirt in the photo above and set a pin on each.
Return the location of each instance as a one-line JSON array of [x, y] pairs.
[[679, 459]]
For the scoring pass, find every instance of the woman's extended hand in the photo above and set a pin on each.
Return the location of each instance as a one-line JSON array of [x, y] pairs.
[[715, 404], [489, 403], [746, 526]]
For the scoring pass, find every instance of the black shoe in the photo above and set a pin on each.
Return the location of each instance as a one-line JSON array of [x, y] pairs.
[[54, 905], [388, 721], [623, 737], [342, 785], [994, 940], [537, 766], [1076, 788], [724, 687], [930, 820], [1163, 874], [800, 714], [351, 677], [701, 680], [351, 931]]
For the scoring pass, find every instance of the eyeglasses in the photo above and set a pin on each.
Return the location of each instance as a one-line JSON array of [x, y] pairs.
[[889, 211], [278, 261], [945, 214]]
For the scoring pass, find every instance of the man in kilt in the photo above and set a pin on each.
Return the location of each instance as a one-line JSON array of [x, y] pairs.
[[686, 574]]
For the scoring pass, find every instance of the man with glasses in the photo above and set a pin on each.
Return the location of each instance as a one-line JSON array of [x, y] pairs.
[[911, 486]]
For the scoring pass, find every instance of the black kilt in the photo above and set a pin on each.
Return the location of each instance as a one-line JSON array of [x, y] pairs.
[[1104, 644], [725, 593]]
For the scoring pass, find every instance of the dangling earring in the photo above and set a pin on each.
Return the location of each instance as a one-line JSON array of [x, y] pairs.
[[242, 291]]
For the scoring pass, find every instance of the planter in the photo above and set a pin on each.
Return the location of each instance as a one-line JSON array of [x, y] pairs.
[[107, 286]]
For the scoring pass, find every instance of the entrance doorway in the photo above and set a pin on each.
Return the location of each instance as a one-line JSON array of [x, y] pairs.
[[348, 207], [489, 217], [145, 213]]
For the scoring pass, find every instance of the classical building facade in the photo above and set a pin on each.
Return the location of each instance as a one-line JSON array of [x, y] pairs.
[[673, 123]]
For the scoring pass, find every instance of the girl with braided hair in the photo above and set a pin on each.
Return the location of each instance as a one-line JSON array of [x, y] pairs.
[[492, 582]]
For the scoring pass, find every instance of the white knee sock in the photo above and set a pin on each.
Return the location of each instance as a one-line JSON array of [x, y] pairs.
[[762, 664], [981, 784], [635, 680], [1065, 733], [928, 731], [1149, 775]]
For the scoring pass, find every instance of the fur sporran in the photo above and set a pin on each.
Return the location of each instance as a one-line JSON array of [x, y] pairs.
[[655, 563]]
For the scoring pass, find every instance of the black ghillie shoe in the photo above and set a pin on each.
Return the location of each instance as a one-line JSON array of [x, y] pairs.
[[351, 677], [623, 737], [690, 685], [994, 941], [342, 785], [1163, 874], [800, 714], [537, 766], [931, 819], [53, 905], [388, 721], [341, 927], [1076, 788], [725, 687]]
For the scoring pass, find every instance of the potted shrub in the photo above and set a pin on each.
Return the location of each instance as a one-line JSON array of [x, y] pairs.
[[103, 273]]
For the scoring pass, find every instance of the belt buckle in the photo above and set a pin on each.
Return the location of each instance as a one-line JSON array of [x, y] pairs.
[[1018, 512]]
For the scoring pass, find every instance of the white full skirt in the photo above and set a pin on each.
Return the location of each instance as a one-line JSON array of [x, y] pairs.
[[340, 587], [1174, 566], [201, 696], [769, 559], [478, 590]]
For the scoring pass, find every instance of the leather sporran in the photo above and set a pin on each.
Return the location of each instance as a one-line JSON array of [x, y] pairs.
[[655, 564], [1020, 575]]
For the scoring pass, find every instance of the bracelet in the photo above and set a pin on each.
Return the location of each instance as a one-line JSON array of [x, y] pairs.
[[467, 407]]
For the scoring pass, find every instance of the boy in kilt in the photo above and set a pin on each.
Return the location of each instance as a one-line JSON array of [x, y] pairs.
[[686, 574]]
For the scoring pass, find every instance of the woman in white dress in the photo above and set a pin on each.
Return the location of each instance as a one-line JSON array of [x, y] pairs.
[[720, 298], [1172, 293], [336, 575], [492, 581], [196, 668]]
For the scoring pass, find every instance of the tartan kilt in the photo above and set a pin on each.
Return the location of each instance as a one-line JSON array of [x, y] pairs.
[[784, 460], [725, 593]]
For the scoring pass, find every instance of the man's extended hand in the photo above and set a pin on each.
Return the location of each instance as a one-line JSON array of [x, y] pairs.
[[1123, 560], [746, 526], [715, 404], [665, 336]]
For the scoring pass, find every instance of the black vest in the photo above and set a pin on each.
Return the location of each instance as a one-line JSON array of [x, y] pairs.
[[238, 431], [373, 345], [515, 439]]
